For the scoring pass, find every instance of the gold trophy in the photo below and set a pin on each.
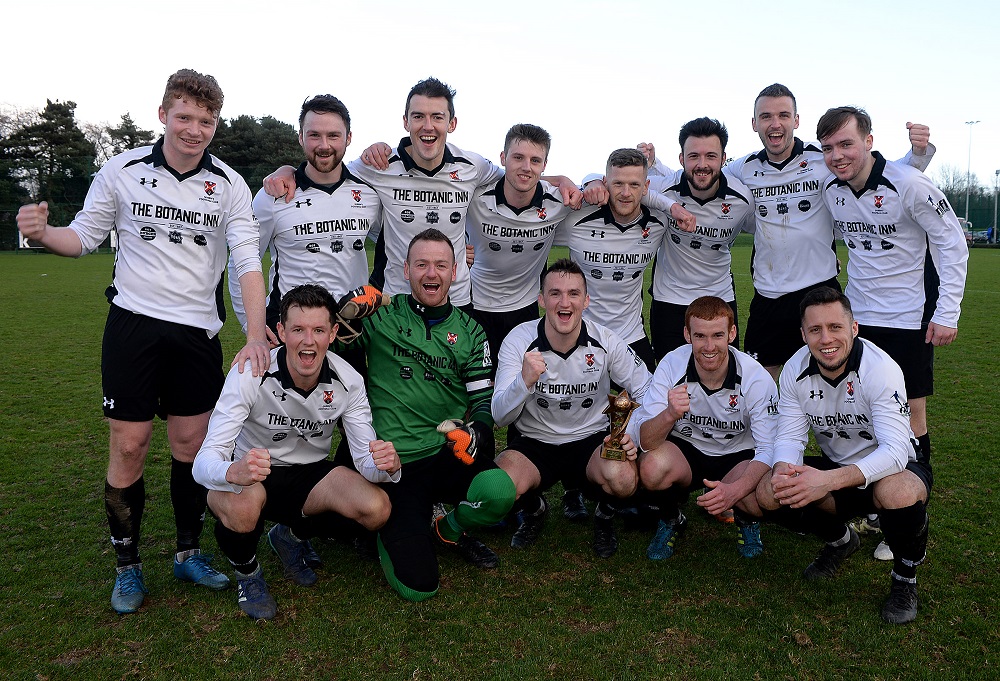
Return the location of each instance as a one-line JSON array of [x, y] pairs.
[[620, 408]]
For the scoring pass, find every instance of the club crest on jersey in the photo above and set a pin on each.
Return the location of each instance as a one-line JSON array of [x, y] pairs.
[[645, 231], [452, 338], [454, 175], [209, 188], [878, 201], [590, 359], [734, 400], [328, 396], [850, 393], [541, 213], [726, 207], [803, 164], [356, 195]]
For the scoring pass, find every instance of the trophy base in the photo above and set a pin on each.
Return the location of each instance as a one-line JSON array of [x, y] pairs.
[[613, 453]]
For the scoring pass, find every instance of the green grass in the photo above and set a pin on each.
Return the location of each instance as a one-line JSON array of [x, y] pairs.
[[554, 611]]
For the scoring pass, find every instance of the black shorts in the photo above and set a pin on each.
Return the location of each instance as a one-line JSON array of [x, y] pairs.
[[498, 324], [566, 462], [151, 367], [706, 467], [774, 329], [441, 477], [666, 326], [288, 487], [854, 502], [911, 353]]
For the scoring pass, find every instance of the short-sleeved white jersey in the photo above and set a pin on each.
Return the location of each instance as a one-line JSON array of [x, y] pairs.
[[173, 230], [511, 245], [613, 258], [740, 415], [414, 199], [694, 264]]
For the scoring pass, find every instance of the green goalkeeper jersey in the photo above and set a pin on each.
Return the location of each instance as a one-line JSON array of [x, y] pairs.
[[425, 365]]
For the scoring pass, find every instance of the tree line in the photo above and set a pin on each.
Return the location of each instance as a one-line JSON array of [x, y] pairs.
[[47, 155]]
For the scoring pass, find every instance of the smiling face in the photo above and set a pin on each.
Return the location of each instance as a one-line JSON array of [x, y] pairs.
[[524, 163], [564, 298], [324, 139], [702, 159], [188, 130], [428, 121], [430, 269], [829, 331], [307, 334], [627, 186], [775, 121], [847, 154], [710, 339]]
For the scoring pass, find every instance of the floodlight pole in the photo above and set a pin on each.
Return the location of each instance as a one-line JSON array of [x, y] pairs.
[[968, 175], [996, 186]]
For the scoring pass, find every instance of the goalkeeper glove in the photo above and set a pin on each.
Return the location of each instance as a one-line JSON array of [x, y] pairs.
[[358, 304], [463, 439]]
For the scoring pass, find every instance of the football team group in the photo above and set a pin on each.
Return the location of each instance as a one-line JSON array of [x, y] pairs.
[[463, 326]]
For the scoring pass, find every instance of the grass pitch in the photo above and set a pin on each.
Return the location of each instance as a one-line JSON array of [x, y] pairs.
[[552, 612]]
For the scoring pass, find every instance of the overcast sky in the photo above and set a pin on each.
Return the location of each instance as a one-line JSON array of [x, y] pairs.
[[597, 75]]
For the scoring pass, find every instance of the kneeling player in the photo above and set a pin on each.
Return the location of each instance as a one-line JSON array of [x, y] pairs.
[[265, 455], [708, 419], [552, 380], [851, 394]]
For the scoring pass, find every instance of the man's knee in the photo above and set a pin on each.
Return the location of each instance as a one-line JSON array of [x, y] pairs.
[[494, 492], [238, 512]]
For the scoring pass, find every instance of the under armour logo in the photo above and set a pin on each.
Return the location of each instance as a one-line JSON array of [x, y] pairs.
[[307, 202], [281, 397], [110, 404], [841, 200], [152, 183], [815, 394], [594, 233]]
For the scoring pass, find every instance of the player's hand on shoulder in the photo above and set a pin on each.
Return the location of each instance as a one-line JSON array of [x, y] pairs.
[[377, 155], [685, 220], [32, 220], [281, 183], [253, 467], [532, 368], [259, 354], [920, 137], [384, 455], [596, 193]]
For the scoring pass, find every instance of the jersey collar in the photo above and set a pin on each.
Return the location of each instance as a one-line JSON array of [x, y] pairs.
[[851, 366], [302, 180], [411, 166], [875, 177], [431, 315], [797, 148], [729, 383], [204, 164], [326, 374], [684, 189], [582, 341], [609, 218], [501, 197]]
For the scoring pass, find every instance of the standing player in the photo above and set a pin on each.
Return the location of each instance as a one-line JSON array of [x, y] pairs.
[[552, 382], [793, 238], [265, 455], [889, 215], [614, 244], [430, 390], [424, 182], [175, 209], [318, 237], [851, 394], [690, 265], [511, 225], [707, 420]]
